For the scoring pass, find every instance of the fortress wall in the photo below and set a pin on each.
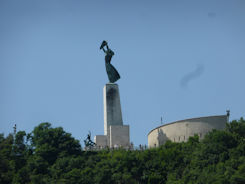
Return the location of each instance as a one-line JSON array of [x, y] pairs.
[[180, 131], [153, 139]]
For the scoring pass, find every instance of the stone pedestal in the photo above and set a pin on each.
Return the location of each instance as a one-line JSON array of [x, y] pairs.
[[101, 141], [119, 136], [115, 133], [112, 107]]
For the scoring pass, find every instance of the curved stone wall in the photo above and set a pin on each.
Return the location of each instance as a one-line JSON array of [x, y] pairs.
[[180, 131]]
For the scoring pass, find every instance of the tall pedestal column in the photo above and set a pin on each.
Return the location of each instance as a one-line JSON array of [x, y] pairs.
[[112, 107], [115, 133]]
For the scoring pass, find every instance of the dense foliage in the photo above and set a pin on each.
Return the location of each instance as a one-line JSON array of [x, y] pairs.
[[50, 155]]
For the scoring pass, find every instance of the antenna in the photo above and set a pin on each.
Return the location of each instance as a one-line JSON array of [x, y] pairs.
[[14, 127], [228, 115], [161, 120]]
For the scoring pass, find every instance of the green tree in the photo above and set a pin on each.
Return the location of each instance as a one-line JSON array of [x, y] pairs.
[[50, 155], [52, 143], [6, 161]]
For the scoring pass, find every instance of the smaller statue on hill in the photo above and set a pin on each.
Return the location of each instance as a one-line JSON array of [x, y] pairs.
[[89, 144]]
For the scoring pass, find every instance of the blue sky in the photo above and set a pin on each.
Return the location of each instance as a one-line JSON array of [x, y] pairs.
[[177, 59]]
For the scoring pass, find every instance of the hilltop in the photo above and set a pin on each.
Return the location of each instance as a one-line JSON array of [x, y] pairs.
[[51, 155]]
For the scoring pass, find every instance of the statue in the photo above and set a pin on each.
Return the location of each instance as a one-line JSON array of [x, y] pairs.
[[112, 73], [88, 142]]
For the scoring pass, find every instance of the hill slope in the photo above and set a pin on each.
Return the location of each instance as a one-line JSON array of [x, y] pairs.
[[50, 155]]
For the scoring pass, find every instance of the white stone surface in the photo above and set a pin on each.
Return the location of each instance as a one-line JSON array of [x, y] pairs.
[[112, 107], [180, 131], [101, 141], [119, 136], [115, 133]]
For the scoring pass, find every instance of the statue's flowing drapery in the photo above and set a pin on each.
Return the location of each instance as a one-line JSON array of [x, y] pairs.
[[112, 73]]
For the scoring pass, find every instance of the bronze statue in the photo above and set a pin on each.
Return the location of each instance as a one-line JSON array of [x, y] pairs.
[[112, 73], [88, 142]]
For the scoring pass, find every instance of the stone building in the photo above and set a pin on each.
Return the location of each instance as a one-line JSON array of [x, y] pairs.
[[180, 131]]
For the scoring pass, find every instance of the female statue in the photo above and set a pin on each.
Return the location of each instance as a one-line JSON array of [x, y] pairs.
[[112, 73]]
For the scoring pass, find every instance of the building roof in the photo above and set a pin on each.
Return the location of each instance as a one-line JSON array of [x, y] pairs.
[[189, 119]]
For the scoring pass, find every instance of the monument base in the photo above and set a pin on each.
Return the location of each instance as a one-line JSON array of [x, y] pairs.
[[115, 133], [119, 136], [100, 141]]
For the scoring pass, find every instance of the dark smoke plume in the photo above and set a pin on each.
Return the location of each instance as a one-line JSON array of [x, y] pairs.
[[191, 76]]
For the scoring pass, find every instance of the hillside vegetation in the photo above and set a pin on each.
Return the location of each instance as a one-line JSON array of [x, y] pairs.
[[50, 155]]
